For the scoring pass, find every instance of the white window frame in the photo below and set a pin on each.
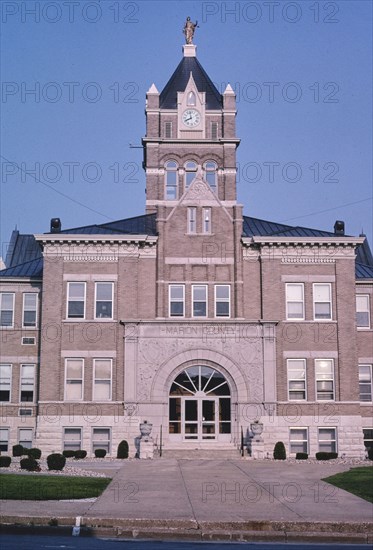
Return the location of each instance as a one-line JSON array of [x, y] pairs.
[[10, 381], [31, 343], [97, 283], [170, 301], [71, 441], [167, 170], [12, 294], [96, 445], [288, 301], [74, 300], [192, 220], [206, 221], [290, 379], [27, 441], [335, 440], [67, 379], [21, 378], [95, 379], [322, 319], [298, 441], [367, 311], [4, 440], [366, 383], [200, 301], [24, 309], [222, 300], [318, 379]]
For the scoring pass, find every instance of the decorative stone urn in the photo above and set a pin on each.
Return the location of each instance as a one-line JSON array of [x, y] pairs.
[[145, 429], [257, 429]]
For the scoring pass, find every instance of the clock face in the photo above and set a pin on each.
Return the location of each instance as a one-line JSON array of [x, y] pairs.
[[191, 118]]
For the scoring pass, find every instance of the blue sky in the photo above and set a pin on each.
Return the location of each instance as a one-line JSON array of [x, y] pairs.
[[302, 71]]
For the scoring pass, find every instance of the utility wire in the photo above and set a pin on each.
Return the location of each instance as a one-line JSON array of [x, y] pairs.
[[327, 210]]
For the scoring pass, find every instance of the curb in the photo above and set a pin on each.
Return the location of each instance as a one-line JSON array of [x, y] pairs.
[[142, 529]]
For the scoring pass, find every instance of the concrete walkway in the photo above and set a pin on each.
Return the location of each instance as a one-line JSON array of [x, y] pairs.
[[216, 494]]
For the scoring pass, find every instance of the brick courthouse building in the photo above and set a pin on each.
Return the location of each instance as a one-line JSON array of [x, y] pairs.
[[192, 316]]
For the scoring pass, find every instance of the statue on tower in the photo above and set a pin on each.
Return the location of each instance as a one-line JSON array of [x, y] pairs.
[[189, 29]]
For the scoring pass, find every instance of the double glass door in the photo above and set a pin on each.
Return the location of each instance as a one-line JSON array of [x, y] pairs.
[[200, 418]]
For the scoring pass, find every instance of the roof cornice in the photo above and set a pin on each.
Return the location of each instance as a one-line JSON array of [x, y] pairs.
[[61, 238], [336, 240]]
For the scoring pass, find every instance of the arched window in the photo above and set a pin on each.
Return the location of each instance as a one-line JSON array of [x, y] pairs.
[[171, 180], [190, 172], [211, 174], [200, 404], [191, 99]]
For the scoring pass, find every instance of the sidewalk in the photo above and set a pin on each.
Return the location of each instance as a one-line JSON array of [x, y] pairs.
[[213, 499]]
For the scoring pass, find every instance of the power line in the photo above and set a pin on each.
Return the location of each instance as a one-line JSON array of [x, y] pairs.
[[38, 180], [327, 210]]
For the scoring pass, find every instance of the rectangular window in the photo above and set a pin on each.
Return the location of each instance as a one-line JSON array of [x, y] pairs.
[[30, 301], [324, 371], [214, 130], [368, 437], [297, 379], [192, 224], [25, 437], [28, 340], [101, 439], [74, 380], [76, 300], [298, 440], [72, 439], [6, 309], [4, 439], [365, 382], [104, 301], [206, 220], [25, 412], [199, 299], [327, 438], [27, 383], [177, 299], [322, 301], [168, 130], [5, 382], [222, 300], [102, 379], [295, 301], [362, 311]]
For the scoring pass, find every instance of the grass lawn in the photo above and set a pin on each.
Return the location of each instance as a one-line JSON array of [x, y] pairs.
[[358, 481], [36, 487]]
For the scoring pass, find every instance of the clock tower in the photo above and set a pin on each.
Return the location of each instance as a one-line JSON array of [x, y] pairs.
[[190, 163]]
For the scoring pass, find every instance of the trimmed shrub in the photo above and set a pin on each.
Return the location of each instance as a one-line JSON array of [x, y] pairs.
[[100, 453], [5, 461], [34, 453], [56, 461], [18, 450], [322, 455], [333, 455], [301, 456], [80, 454], [370, 453], [29, 464], [279, 452], [122, 449], [68, 454]]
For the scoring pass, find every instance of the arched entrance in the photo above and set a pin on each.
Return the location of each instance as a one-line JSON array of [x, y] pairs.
[[200, 405]]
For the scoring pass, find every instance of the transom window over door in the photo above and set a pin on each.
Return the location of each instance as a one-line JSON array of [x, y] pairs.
[[200, 404]]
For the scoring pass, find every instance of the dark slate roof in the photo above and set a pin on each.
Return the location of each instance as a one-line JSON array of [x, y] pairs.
[[139, 225], [21, 248], [256, 227], [179, 81], [363, 271], [364, 254], [33, 268]]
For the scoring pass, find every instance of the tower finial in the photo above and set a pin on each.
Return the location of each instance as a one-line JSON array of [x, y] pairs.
[[189, 29]]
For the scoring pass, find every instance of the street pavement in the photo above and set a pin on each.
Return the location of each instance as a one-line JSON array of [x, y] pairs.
[[229, 495]]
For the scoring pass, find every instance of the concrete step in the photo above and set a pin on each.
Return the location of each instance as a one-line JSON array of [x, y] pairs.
[[208, 454]]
